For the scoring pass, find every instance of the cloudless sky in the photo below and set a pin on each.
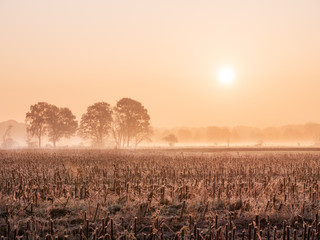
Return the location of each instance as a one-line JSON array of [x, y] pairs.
[[165, 54]]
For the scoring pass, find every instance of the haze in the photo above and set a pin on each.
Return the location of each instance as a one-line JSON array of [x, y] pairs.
[[166, 55]]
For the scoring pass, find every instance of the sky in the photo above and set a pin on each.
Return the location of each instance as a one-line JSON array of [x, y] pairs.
[[167, 55]]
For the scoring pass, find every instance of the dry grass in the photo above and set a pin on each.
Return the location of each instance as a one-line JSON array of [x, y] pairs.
[[79, 194]]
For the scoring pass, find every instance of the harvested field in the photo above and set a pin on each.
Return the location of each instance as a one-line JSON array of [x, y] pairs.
[[152, 194]]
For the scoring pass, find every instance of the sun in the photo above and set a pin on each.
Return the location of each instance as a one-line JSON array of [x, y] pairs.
[[226, 76]]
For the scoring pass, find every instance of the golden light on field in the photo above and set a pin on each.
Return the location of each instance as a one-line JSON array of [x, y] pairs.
[[226, 76]]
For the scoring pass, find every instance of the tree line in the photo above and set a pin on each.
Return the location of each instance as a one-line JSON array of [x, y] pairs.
[[128, 123], [308, 133]]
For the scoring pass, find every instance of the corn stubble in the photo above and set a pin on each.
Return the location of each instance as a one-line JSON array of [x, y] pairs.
[[91, 194]]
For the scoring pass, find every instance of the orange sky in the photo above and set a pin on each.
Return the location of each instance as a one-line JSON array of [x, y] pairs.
[[165, 54]]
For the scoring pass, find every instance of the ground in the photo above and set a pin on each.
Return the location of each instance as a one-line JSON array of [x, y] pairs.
[[165, 194]]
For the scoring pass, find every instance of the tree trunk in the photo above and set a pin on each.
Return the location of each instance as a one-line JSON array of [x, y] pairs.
[[128, 140], [39, 137], [123, 142]]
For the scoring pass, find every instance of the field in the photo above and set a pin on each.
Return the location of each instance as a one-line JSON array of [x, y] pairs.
[[159, 194]]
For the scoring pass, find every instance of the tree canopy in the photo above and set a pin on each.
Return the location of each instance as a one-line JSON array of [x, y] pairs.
[[171, 139], [131, 123], [44, 118], [60, 123], [36, 120], [95, 123], [128, 121]]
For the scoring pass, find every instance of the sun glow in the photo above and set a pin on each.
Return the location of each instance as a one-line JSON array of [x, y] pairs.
[[226, 76]]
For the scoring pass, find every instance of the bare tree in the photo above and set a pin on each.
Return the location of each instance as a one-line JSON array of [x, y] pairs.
[[95, 123], [131, 123]]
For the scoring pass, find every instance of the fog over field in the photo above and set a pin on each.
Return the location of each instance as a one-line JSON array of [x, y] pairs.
[[306, 135]]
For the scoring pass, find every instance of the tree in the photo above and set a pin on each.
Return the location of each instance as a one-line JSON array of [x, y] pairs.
[[95, 123], [60, 123], [36, 120], [131, 123], [171, 139]]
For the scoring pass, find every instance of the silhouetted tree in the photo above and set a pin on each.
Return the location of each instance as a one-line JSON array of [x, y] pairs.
[[171, 139], [131, 123], [95, 123], [36, 120], [60, 123]]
